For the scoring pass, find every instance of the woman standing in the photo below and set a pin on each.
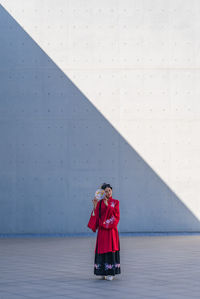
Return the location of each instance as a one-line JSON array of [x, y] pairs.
[[105, 217]]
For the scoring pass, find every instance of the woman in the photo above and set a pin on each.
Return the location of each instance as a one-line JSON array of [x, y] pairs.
[[105, 217]]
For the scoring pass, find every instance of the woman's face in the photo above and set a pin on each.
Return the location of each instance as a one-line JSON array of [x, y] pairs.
[[108, 192]]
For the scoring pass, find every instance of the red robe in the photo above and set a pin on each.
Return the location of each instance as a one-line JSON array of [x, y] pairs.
[[107, 236]]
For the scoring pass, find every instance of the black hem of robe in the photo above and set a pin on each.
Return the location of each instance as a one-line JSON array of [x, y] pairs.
[[107, 263]]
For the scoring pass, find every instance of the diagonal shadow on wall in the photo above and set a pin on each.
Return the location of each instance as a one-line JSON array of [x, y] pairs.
[[57, 148]]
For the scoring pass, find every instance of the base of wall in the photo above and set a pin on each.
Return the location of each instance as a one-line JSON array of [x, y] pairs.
[[133, 234]]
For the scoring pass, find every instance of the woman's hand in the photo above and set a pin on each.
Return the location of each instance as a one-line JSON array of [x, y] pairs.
[[95, 201]]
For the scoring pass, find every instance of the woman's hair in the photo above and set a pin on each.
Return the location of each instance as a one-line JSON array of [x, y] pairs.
[[104, 186]]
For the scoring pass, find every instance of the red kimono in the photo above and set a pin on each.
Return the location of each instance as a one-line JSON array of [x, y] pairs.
[[107, 236]]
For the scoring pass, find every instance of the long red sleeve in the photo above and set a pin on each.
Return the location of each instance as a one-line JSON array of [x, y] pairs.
[[93, 223], [112, 216]]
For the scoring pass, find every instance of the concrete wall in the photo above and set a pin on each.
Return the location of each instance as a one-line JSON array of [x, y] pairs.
[[93, 92]]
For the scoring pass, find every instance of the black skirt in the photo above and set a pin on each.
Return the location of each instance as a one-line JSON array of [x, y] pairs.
[[107, 263]]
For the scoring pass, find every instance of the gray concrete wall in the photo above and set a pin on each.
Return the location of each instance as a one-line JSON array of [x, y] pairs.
[[95, 92]]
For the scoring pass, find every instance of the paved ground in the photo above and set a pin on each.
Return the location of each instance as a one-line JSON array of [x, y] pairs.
[[62, 267]]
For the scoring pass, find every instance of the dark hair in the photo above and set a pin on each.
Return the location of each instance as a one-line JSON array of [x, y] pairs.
[[104, 186]]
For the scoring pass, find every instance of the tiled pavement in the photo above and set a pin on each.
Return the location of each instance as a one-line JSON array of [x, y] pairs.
[[62, 267]]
